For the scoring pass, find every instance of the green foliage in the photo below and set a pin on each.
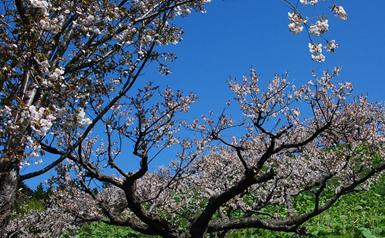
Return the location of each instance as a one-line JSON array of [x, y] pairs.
[[40, 193], [103, 230], [30, 200], [29, 205], [366, 232], [357, 215]]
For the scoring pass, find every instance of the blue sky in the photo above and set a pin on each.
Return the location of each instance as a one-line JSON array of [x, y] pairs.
[[236, 34]]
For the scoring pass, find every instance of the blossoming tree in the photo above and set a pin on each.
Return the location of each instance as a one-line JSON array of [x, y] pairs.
[[289, 141], [61, 60], [68, 72]]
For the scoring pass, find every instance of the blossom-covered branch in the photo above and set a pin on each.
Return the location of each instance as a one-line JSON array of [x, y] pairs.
[[290, 141], [65, 65]]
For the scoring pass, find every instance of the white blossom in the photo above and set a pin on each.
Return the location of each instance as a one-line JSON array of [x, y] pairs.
[[40, 4], [340, 12], [316, 52], [320, 27], [307, 2], [331, 46], [82, 119], [296, 22], [41, 119]]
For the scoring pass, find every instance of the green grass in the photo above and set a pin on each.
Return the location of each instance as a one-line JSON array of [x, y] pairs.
[[101, 229]]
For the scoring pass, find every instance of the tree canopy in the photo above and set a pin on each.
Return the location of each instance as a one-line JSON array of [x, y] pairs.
[[70, 100]]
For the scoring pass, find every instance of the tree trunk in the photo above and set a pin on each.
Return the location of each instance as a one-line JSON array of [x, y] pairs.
[[9, 172]]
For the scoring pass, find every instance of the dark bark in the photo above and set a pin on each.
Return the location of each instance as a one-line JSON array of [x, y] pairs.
[[9, 173], [199, 226], [155, 224]]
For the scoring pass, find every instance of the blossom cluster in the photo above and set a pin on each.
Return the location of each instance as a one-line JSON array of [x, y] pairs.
[[316, 52], [298, 22], [66, 209], [88, 53], [311, 2], [340, 12], [41, 120], [320, 27]]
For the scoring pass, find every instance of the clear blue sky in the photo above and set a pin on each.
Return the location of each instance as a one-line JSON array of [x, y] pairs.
[[236, 34]]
